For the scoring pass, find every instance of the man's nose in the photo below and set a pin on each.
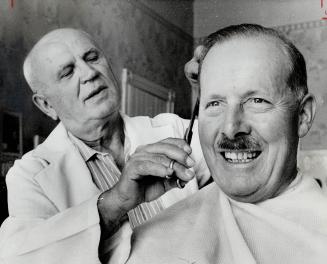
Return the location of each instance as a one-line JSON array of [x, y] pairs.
[[235, 123], [88, 72]]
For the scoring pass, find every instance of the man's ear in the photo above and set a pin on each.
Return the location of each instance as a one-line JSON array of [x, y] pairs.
[[43, 104], [307, 113]]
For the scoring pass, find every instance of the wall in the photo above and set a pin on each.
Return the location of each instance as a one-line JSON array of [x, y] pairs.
[[209, 15], [311, 39], [177, 12], [130, 33], [10, 46], [14, 95]]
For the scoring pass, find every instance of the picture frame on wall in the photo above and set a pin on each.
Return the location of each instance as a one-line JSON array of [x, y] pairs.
[[11, 133], [11, 139]]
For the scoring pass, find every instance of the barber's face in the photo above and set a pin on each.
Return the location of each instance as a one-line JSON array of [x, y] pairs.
[[248, 119], [79, 82]]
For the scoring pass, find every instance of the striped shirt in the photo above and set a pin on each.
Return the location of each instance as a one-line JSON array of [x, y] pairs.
[[105, 174]]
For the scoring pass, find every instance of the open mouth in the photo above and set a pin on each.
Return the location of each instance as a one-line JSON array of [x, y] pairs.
[[240, 156]]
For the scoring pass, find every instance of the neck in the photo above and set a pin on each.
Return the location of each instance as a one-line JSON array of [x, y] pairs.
[[111, 136], [106, 137]]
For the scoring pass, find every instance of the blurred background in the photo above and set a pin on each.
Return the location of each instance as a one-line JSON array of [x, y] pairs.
[[151, 40]]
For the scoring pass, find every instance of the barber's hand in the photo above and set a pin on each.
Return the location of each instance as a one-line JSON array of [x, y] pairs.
[[191, 68], [144, 178]]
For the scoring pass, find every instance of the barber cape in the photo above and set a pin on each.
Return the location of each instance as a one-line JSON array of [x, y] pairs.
[[209, 227]]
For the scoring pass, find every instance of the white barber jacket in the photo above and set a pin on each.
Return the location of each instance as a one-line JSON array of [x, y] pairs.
[[52, 199]]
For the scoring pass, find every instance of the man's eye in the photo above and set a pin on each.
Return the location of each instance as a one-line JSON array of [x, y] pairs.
[[258, 104], [92, 57], [258, 100], [212, 104], [67, 72]]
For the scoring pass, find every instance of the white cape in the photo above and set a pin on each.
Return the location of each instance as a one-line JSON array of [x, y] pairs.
[[211, 228]]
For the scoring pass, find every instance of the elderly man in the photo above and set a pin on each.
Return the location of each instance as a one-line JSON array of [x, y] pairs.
[[254, 107], [75, 196]]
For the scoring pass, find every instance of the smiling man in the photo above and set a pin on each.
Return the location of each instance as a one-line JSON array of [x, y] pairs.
[[254, 107], [249, 116], [75, 198]]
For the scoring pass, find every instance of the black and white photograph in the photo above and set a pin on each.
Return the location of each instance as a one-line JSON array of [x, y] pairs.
[[163, 131]]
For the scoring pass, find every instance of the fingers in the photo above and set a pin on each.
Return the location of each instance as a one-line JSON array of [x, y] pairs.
[[191, 71], [181, 143], [147, 166], [164, 152], [172, 148], [178, 142], [191, 68], [144, 175], [183, 173], [174, 183], [198, 52]]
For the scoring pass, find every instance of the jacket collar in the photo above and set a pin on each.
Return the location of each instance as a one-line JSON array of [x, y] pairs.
[[66, 180]]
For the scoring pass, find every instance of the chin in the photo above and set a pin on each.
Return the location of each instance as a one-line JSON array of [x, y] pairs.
[[106, 110], [242, 192]]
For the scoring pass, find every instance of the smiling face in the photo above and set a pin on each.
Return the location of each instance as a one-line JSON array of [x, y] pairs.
[[248, 118], [79, 84]]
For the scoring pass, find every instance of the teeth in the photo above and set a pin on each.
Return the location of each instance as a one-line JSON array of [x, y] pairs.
[[240, 157]]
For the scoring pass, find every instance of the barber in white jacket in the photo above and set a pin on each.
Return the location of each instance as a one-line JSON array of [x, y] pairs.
[[63, 206]]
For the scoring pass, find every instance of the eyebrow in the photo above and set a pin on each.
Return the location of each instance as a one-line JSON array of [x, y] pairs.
[[250, 93]]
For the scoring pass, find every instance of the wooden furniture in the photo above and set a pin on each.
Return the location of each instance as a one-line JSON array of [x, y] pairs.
[[143, 97]]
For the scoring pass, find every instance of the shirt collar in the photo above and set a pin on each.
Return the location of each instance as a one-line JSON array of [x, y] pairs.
[[86, 151]]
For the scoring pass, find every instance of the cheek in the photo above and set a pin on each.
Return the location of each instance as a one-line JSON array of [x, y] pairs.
[[272, 127], [208, 130], [65, 100], [105, 71]]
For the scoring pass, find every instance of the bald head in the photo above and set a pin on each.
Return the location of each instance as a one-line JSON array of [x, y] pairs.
[[33, 61]]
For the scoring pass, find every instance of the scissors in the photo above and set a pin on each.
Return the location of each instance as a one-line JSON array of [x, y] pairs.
[[188, 138], [189, 131]]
